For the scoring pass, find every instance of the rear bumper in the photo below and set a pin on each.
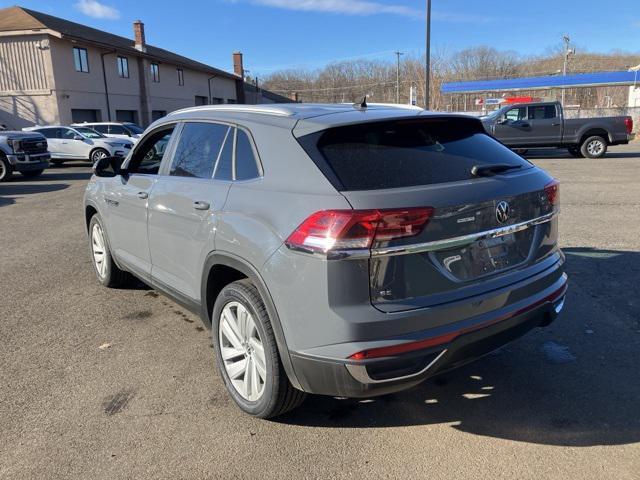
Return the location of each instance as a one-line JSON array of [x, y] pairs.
[[445, 349], [24, 162]]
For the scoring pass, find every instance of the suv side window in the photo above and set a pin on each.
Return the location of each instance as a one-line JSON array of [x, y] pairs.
[[516, 114], [246, 164], [101, 128], [50, 132], [117, 130], [224, 166], [542, 112], [198, 149], [67, 134], [149, 152]]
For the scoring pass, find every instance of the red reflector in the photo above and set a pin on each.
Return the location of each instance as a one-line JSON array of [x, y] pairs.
[[628, 123], [357, 229], [552, 190], [449, 337]]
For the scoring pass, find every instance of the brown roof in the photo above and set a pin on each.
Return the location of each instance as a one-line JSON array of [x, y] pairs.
[[18, 18]]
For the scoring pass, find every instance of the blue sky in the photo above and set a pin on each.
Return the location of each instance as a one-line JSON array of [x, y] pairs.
[[277, 34]]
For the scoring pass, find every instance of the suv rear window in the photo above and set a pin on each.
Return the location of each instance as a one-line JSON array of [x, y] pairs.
[[404, 153]]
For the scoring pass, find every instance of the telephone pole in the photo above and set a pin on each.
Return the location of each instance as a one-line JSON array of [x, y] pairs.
[[398, 77], [428, 59], [567, 52]]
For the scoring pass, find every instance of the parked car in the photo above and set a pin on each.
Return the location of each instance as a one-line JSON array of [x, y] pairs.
[[22, 152], [542, 124], [125, 130], [332, 249], [81, 143]]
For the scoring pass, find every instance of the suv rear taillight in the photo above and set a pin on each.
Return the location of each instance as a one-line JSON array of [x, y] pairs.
[[552, 189], [628, 122], [334, 230]]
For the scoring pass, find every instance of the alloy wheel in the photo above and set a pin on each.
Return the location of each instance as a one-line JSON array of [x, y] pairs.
[[3, 170], [99, 250], [595, 147], [98, 155], [242, 351]]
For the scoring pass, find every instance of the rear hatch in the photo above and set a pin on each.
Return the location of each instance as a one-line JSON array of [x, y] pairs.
[[487, 228]]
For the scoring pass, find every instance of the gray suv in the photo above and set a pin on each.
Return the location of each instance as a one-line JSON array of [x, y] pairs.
[[340, 250]]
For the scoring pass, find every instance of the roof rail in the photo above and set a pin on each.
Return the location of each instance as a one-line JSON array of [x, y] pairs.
[[400, 106], [265, 110]]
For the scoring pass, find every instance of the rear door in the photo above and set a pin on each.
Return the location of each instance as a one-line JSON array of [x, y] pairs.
[[513, 128], [185, 204], [546, 124], [485, 231]]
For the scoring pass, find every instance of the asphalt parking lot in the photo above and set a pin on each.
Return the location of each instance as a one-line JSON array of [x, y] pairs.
[[98, 383]]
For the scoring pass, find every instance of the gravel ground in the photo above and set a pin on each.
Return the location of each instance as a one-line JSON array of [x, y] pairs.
[[98, 383]]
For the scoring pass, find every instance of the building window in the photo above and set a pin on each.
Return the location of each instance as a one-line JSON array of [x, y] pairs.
[[155, 73], [217, 100], [180, 76], [231, 100], [81, 59], [200, 100], [123, 67]]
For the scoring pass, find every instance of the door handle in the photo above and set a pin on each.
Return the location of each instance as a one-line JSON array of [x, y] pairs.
[[555, 124], [201, 205], [143, 195]]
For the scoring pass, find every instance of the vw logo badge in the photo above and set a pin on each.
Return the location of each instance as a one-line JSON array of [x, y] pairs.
[[502, 211]]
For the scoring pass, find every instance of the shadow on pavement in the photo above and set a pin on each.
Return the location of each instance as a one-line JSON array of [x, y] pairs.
[[554, 153], [526, 392], [17, 189]]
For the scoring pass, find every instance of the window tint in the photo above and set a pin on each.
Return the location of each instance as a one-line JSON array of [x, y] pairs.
[[50, 132], [405, 153], [68, 134], [148, 155], [516, 114], [117, 130], [101, 128], [198, 149], [542, 112], [246, 165], [224, 167]]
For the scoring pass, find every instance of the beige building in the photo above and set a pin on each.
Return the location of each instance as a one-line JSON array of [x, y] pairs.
[[53, 71]]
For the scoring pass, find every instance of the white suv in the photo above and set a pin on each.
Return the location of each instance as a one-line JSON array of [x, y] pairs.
[[81, 143], [126, 130]]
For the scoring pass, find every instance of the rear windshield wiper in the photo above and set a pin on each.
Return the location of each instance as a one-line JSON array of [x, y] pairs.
[[492, 168]]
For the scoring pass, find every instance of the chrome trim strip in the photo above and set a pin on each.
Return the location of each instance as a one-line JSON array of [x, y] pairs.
[[359, 372], [461, 240]]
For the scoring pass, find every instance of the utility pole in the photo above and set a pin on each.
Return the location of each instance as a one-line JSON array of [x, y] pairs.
[[567, 52], [428, 59], [398, 77]]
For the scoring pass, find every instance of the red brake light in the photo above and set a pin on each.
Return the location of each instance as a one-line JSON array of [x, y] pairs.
[[357, 229], [552, 190], [628, 122]]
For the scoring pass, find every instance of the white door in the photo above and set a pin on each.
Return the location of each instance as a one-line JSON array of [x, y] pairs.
[[74, 145], [54, 142]]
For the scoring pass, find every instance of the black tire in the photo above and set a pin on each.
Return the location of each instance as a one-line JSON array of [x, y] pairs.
[[279, 396], [575, 152], [112, 276], [97, 154], [6, 169], [594, 147], [32, 173]]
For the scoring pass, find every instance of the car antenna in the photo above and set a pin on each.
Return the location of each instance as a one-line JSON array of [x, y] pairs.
[[362, 105]]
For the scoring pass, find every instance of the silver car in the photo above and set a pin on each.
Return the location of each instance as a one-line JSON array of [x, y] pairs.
[[340, 250], [81, 143]]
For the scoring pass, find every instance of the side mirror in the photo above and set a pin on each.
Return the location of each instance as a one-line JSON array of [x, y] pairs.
[[78, 137], [108, 167]]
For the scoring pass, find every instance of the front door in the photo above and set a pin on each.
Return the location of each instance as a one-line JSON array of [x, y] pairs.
[[72, 146], [185, 204], [54, 141], [127, 202], [514, 129]]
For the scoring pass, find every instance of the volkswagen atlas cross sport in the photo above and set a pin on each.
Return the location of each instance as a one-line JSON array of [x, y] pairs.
[[341, 250]]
